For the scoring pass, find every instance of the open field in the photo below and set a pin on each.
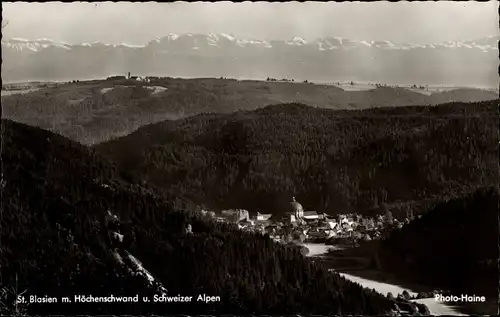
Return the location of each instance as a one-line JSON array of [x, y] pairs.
[[18, 91], [24, 87]]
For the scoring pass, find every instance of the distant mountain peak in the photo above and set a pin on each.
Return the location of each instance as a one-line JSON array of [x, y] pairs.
[[297, 41], [228, 36]]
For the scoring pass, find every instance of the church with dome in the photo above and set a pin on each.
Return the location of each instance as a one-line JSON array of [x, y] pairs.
[[295, 212]]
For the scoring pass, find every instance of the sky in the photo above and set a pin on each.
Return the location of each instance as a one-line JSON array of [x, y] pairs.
[[139, 23]]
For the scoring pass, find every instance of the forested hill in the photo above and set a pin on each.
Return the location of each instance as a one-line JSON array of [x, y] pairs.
[[332, 161], [59, 202], [454, 246], [95, 111]]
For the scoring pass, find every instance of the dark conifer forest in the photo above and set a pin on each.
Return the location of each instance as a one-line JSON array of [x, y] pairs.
[[57, 241], [454, 246], [332, 161]]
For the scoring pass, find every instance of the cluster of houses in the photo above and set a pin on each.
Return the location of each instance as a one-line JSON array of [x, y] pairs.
[[145, 79], [309, 226]]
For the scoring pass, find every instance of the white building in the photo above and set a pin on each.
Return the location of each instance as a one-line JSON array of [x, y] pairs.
[[332, 224], [311, 215], [235, 215], [263, 217]]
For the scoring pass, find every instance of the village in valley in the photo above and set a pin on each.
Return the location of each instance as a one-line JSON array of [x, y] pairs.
[[299, 226]]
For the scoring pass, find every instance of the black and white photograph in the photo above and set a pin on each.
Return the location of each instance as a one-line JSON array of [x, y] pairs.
[[254, 158]]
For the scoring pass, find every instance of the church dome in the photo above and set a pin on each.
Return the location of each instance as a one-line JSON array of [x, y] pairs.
[[295, 207]]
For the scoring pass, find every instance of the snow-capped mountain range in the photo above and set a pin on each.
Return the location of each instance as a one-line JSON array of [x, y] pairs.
[[214, 55], [222, 40]]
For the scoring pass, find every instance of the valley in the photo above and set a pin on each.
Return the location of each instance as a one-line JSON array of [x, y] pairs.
[[249, 159], [164, 143], [212, 161], [91, 219], [417, 257], [383, 285]]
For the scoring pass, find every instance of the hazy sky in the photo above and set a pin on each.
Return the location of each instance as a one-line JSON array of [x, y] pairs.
[[138, 23]]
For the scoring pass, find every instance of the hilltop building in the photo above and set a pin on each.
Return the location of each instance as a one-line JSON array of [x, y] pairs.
[[115, 77]]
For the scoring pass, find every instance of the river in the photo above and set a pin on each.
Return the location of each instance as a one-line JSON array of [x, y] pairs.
[[436, 308]]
